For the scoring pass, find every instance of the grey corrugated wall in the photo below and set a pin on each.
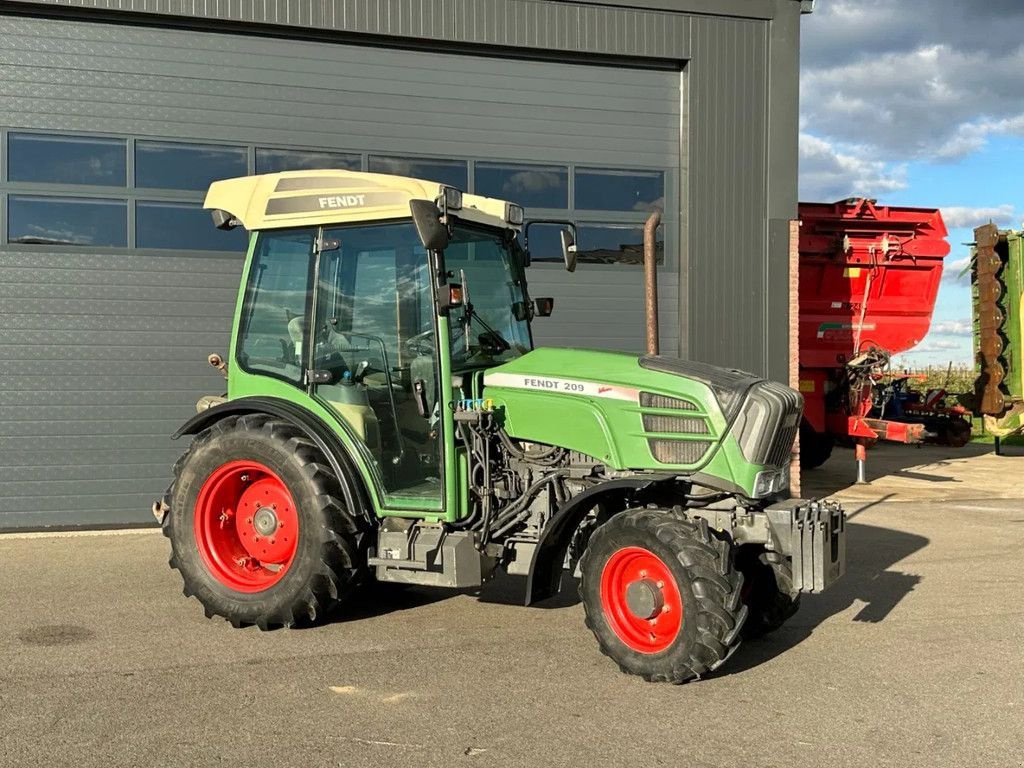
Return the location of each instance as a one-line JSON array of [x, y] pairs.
[[103, 355], [728, 192], [737, 179]]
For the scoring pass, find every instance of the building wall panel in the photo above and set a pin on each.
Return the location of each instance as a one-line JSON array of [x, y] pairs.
[[102, 355]]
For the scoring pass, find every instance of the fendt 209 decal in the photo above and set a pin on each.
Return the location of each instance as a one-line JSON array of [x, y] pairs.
[[560, 386]]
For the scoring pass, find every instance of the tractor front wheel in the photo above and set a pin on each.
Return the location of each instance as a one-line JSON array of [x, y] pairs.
[[767, 590], [661, 595], [257, 526]]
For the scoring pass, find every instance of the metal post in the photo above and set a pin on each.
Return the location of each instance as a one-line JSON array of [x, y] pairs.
[[861, 453], [651, 280], [999, 446]]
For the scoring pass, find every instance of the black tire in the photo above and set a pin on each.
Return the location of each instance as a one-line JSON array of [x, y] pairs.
[[767, 590], [815, 447], [956, 433], [708, 586], [329, 560]]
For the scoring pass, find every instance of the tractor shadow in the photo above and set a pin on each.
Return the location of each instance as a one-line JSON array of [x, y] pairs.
[[871, 581], [380, 599]]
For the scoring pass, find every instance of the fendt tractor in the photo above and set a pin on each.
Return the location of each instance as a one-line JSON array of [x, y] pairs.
[[387, 417]]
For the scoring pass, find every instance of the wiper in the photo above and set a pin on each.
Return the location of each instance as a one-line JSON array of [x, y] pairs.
[[469, 314]]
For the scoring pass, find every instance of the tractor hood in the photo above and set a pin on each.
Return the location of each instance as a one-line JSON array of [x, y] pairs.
[[727, 429], [618, 376]]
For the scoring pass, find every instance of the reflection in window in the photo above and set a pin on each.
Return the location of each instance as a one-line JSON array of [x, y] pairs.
[[453, 173], [531, 186], [273, 330], [67, 221], [66, 159], [167, 165], [183, 226], [615, 244], [274, 160], [546, 242], [611, 190]]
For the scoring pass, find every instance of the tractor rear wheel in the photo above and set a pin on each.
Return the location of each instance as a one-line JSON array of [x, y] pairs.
[[767, 590], [257, 526], [661, 595]]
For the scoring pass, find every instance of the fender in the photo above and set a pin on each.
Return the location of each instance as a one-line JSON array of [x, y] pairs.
[[546, 566], [352, 487]]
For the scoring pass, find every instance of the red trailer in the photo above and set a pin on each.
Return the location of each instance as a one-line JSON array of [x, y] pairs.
[[869, 275]]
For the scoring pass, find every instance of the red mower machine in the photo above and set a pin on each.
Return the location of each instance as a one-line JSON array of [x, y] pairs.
[[869, 275]]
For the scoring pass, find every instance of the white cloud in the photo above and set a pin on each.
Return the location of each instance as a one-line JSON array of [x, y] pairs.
[[831, 171], [953, 328], [936, 345], [960, 217], [957, 271], [913, 79]]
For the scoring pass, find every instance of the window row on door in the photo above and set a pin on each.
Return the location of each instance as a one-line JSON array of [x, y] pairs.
[[122, 192]]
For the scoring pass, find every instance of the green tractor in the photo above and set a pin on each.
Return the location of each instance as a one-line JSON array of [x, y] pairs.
[[388, 418]]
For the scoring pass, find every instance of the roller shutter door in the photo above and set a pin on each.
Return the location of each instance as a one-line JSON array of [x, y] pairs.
[[103, 347]]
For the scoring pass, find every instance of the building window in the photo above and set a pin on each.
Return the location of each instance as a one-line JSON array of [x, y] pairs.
[[618, 190], [41, 158], [531, 186], [453, 173], [67, 221], [614, 244], [274, 160], [167, 165], [184, 227]]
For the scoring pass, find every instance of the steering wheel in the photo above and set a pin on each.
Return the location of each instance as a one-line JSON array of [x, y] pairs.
[[423, 343]]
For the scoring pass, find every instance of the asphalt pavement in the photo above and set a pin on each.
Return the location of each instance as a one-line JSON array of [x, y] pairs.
[[915, 659]]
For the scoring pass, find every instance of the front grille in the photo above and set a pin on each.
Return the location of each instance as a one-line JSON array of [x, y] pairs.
[[782, 451], [651, 400], [768, 423], [678, 451], [675, 425]]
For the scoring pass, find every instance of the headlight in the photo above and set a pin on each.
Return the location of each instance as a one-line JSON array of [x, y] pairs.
[[771, 481], [452, 198], [514, 214]]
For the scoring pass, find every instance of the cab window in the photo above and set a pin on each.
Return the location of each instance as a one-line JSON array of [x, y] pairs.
[[272, 330]]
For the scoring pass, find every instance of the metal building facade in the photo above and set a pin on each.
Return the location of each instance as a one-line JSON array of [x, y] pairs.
[[103, 342]]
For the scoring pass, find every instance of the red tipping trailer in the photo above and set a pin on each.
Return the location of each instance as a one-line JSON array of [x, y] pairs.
[[869, 275]]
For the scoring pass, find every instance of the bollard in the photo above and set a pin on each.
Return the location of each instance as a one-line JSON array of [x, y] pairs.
[[861, 453]]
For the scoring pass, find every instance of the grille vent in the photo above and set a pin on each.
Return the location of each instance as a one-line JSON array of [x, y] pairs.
[[678, 451], [675, 425], [650, 400]]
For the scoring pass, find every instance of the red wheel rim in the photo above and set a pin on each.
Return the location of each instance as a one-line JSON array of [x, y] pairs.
[[246, 526], [641, 600]]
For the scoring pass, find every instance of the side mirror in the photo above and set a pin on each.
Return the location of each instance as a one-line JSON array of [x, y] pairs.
[[545, 306], [427, 218], [569, 249]]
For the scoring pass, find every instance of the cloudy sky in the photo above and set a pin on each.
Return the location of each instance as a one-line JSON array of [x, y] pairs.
[[919, 102]]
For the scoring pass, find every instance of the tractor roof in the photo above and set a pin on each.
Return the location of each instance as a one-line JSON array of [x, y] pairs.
[[304, 198]]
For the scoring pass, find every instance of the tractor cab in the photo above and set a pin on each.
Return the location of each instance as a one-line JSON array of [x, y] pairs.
[[344, 304]]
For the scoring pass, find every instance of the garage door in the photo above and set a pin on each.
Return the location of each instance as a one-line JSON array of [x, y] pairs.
[[113, 288]]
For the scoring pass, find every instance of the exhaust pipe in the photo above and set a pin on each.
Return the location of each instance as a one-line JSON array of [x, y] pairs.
[[651, 280]]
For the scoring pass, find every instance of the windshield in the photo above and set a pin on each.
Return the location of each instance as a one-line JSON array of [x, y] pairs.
[[497, 327]]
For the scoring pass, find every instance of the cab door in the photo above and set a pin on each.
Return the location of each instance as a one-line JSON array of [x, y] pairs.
[[374, 355]]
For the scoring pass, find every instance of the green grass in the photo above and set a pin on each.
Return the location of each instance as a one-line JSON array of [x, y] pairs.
[[978, 435]]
